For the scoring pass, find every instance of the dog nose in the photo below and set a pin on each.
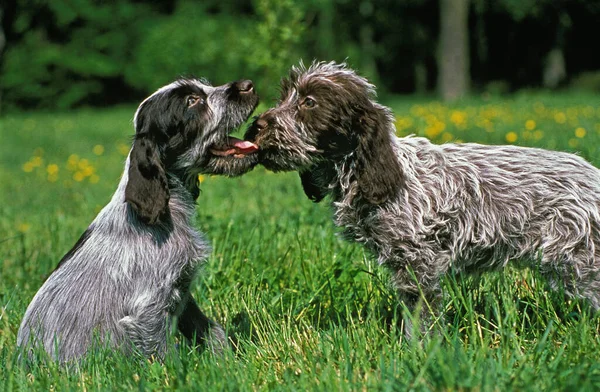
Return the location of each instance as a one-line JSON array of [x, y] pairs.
[[261, 123], [244, 86]]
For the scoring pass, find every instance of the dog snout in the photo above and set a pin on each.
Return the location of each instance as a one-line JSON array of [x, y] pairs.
[[244, 86]]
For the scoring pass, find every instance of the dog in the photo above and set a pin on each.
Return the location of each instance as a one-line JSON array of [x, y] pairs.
[[128, 277], [426, 210]]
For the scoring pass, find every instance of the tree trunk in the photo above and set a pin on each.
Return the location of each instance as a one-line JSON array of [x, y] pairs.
[[555, 70], [453, 50]]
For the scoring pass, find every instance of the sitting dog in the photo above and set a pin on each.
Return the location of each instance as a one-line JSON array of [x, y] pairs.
[[131, 270], [425, 209]]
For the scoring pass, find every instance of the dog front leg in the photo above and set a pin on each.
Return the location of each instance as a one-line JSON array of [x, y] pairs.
[[197, 327], [420, 313]]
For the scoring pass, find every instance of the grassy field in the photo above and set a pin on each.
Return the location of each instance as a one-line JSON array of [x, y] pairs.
[[306, 310]]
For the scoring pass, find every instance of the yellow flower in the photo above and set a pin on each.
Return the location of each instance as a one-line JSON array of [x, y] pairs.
[[23, 227], [539, 107], [580, 132], [530, 125], [83, 164], [52, 169], [511, 137], [36, 161], [201, 178], [417, 110], [87, 171], [447, 136], [573, 143], [52, 177], [403, 123], [434, 127], [72, 162], [123, 149], [78, 176], [538, 134], [27, 167], [560, 117], [98, 149], [458, 118], [94, 178]]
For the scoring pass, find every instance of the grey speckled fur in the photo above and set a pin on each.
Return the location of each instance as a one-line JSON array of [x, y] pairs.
[[426, 210], [131, 270]]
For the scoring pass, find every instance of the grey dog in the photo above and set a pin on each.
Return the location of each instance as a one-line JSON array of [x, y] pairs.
[[129, 275], [425, 209]]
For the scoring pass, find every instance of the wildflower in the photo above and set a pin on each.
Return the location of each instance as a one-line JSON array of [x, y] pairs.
[[539, 107], [418, 110], [94, 178], [403, 123], [123, 149], [573, 143], [78, 176], [434, 127], [580, 132], [201, 178], [511, 137], [98, 149], [23, 227], [458, 118], [36, 161], [530, 125], [27, 167], [83, 163], [560, 117], [52, 169], [446, 137], [538, 134], [72, 162]]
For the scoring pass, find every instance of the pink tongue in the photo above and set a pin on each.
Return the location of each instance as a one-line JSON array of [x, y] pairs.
[[242, 146]]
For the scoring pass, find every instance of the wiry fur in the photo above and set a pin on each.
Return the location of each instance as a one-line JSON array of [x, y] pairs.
[[424, 209], [131, 270]]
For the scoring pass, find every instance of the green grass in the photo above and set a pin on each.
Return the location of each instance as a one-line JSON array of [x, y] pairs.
[[307, 311]]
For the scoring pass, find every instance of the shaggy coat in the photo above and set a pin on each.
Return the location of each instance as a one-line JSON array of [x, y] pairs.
[[131, 270], [423, 209]]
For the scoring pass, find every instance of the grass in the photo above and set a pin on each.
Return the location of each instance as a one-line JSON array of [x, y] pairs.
[[307, 311]]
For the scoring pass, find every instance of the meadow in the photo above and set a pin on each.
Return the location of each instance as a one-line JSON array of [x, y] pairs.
[[305, 310]]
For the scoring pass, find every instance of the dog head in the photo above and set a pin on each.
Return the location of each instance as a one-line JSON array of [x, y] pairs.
[[183, 130], [328, 113]]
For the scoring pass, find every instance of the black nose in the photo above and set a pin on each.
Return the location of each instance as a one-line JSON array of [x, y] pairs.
[[244, 86], [261, 123]]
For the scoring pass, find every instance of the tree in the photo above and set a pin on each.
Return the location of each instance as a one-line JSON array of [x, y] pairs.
[[453, 49]]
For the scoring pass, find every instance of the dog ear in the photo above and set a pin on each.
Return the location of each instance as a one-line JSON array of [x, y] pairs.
[[147, 191], [309, 184], [379, 174]]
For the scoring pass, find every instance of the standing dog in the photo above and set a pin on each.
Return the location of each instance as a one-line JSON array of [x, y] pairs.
[[133, 266], [427, 209]]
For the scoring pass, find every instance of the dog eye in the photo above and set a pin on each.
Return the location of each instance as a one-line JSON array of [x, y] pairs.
[[193, 100], [309, 103]]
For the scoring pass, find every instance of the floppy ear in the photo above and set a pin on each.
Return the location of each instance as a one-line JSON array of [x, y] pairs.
[[311, 189], [379, 174], [147, 191]]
